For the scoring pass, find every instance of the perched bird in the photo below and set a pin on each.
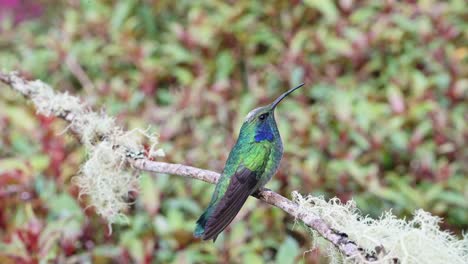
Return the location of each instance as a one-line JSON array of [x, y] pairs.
[[250, 165]]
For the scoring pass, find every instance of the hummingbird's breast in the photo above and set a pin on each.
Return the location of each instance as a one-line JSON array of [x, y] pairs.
[[264, 136], [273, 161]]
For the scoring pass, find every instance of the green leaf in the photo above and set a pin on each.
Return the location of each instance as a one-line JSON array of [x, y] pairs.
[[326, 7], [39, 162], [252, 258], [121, 12], [454, 198], [288, 251], [63, 205], [149, 193], [224, 65]]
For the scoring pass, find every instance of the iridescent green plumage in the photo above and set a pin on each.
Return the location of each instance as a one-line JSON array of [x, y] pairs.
[[250, 165]]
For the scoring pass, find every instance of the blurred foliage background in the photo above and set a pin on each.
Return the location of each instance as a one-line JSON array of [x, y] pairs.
[[382, 119]]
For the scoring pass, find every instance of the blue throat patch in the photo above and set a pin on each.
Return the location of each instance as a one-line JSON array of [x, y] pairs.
[[264, 132]]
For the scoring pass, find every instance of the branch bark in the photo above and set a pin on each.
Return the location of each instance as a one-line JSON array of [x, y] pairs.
[[340, 240]]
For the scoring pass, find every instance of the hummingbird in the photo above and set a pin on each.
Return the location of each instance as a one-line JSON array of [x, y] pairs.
[[251, 163]]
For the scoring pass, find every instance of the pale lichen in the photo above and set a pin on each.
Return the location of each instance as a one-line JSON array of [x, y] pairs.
[[419, 240], [103, 177]]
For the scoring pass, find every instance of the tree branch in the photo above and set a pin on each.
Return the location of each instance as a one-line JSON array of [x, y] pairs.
[[340, 240]]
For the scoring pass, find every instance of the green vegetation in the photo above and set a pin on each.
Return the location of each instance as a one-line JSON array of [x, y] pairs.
[[382, 118]]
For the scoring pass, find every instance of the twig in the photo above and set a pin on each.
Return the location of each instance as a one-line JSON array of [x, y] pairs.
[[78, 71], [340, 240]]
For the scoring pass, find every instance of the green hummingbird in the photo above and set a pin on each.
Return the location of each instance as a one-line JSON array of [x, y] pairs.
[[251, 164]]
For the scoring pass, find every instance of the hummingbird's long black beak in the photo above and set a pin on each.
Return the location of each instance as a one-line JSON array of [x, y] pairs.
[[281, 97]]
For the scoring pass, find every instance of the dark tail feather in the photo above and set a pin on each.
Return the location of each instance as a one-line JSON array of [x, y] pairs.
[[201, 223], [220, 219], [221, 213], [228, 207], [217, 217]]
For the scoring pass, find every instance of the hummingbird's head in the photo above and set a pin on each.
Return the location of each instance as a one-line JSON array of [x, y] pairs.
[[261, 123]]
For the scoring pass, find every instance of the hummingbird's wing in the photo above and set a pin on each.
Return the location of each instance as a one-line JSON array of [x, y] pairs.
[[242, 184]]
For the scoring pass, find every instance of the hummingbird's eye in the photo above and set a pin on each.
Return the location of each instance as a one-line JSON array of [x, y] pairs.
[[263, 116]]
